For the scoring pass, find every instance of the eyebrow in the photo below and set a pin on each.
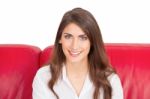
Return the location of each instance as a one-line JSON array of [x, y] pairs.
[[79, 35], [67, 33]]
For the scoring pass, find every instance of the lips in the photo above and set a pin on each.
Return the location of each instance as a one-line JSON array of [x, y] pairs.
[[74, 54]]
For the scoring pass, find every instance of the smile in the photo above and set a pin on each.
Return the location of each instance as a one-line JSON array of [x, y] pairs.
[[74, 53]]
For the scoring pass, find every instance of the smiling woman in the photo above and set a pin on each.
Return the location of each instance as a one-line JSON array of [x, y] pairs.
[[75, 44], [79, 68]]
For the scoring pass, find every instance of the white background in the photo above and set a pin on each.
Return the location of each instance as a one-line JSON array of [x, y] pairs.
[[35, 22]]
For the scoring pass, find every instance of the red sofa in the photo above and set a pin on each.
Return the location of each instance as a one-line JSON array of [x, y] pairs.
[[19, 63]]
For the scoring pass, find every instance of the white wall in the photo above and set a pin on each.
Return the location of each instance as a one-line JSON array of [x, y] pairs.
[[35, 22]]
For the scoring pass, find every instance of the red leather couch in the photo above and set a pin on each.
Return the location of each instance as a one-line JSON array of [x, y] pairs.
[[19, 63]]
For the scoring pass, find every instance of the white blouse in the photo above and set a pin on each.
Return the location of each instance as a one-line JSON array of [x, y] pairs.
[[65, 90]]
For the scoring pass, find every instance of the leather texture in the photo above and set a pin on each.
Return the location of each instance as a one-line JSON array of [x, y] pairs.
[[19, 63], [132, 62]]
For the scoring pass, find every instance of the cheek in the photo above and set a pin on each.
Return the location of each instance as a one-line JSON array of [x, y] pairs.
[[65, 47], [64, 42], [64, 50], [86, 45], [86, 48]]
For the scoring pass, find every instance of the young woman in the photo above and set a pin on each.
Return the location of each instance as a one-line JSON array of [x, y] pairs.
[[79, 68]]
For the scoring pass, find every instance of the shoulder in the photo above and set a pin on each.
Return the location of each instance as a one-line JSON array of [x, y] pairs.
[[43, 74], [113, 77], [117, 90], [114, 80], [40, 84], [44, 70]]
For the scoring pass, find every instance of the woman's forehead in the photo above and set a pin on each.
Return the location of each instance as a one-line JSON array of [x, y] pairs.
[[73, 29]]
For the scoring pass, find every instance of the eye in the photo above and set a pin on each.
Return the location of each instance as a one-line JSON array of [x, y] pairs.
[[83, 38], [67, 36]]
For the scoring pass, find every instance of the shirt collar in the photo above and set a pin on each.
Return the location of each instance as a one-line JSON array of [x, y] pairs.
[[64, 73], [87, 84]]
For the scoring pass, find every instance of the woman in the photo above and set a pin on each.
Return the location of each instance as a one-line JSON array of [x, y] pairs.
[[79, 68]]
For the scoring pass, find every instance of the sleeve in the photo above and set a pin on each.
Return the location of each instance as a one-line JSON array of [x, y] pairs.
[[40, 87], [117, 90]]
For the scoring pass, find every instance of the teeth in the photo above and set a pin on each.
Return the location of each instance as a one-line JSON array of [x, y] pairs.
[[74, 53]]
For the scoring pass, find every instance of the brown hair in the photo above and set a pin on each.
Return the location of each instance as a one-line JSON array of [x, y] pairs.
[[99, 67]]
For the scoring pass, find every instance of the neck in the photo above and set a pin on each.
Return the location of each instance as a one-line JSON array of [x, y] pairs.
[[77, 68]]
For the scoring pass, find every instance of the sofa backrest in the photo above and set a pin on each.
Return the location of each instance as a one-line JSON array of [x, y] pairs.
[[18, 65], [132, 64]]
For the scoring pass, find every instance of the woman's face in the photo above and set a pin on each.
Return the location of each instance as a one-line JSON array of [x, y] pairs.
[[75, 44]]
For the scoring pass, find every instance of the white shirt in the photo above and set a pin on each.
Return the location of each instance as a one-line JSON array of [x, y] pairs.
[[64, 89]]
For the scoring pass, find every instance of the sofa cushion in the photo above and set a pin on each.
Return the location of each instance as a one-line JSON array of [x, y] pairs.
[[45, 56], [18, 65]]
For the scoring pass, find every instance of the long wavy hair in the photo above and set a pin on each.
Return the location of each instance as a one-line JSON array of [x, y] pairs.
[[99, 66]]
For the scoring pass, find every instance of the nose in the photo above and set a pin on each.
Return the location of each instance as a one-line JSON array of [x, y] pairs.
[[74, 44]]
